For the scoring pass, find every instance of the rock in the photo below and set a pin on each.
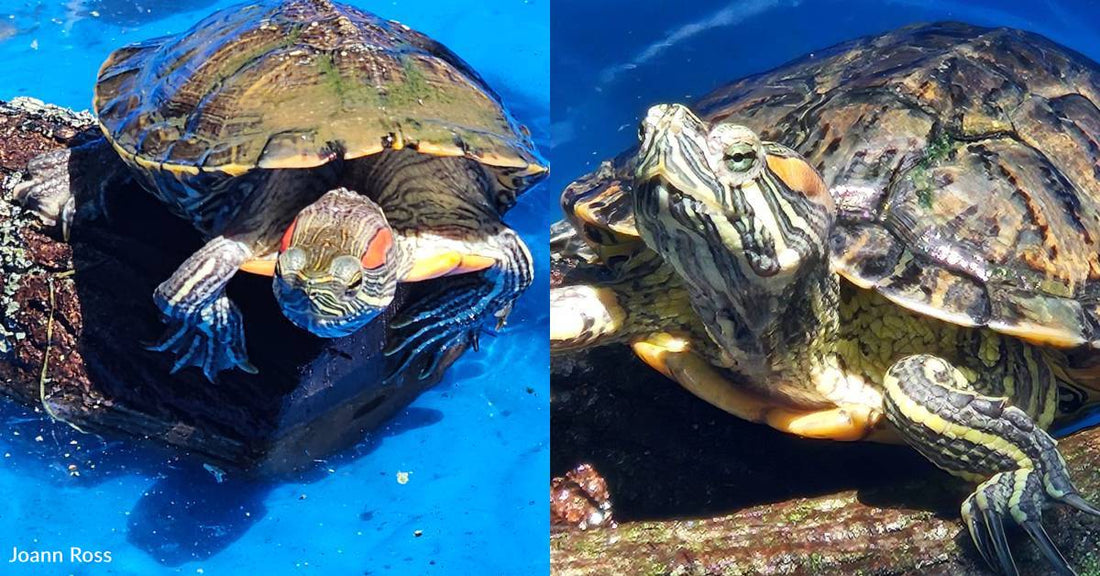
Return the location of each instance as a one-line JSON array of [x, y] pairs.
[[73, 317], [580, 499], [699, 492]]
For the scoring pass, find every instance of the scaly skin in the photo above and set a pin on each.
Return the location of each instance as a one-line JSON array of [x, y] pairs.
[[745, 224]]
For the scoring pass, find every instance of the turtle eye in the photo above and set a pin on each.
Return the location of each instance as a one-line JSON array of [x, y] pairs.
[[347, 269], [292, 260], [355, 284], [740, 157]]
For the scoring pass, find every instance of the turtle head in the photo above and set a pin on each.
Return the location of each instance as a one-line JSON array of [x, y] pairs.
[[338, 265], [743, 221]]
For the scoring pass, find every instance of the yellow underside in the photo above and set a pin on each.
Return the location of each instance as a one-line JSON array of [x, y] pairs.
[[874, 334], [312, 160]]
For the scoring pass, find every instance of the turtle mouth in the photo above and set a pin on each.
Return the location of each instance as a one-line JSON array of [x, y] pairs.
[[684, 206], [328, 325], [323, 316]]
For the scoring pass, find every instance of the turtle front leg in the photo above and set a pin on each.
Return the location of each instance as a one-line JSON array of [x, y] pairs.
[[673, 356], [56, 179], [987, 440], [204, 326], [499, 269]]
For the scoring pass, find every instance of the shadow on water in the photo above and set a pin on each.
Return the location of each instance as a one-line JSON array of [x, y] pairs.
[[192, 511], [191, 514]]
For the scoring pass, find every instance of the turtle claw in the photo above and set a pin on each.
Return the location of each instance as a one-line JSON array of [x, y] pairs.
[[1075, 500], [1042, 540], [986, 525], [47, 193], [211, 339], [55, 179], [502, 316], [442, 319], [1018, 496]]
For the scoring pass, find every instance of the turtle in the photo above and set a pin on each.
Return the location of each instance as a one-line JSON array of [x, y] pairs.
[[896, 239], [311, 141]]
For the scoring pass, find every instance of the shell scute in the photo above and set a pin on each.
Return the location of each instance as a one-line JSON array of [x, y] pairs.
[[238, 83], [964, 163]]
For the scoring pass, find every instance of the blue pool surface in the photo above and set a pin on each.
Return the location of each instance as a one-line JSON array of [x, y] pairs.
[[656, 51], [475, 448]]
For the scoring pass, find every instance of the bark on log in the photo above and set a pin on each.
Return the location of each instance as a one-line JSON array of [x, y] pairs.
[[898, 528], [698, 492], [73, 317]]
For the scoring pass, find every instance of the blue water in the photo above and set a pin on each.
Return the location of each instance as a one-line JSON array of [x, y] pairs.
[[475, 447], [657, 51]]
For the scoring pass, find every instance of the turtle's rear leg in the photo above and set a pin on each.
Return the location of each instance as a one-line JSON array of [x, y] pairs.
[[983, 439], [62, 182]]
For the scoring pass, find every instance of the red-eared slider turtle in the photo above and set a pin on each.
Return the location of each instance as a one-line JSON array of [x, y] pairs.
[[939, 285], [312, 141]]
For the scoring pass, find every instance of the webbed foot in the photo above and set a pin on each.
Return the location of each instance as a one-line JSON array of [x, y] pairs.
[[454, 311], [448, 316], [210, 338]]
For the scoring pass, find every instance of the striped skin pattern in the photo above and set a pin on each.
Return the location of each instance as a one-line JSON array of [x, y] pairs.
[[321, 279], [645, 297], [422, 204], [452, 204], [983, 439], [747, 234], [961, 163], [744, 240]]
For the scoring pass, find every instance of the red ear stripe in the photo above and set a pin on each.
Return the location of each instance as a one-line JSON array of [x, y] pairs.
[[285, 243], [375, 255]]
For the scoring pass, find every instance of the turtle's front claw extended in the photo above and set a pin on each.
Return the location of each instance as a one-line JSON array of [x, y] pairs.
[[211, 338], [929, 402], [62, 182], [448, 316], [1018, 496]]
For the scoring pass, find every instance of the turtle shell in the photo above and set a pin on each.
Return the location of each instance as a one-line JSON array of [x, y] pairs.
[[965, 166], [297, 84], [602, 212]]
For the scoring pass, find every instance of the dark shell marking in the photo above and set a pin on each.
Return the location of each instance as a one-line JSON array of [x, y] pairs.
[[965, 167], [296, 84]]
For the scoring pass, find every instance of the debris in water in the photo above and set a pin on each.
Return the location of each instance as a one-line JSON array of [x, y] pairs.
[[218, 473]]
